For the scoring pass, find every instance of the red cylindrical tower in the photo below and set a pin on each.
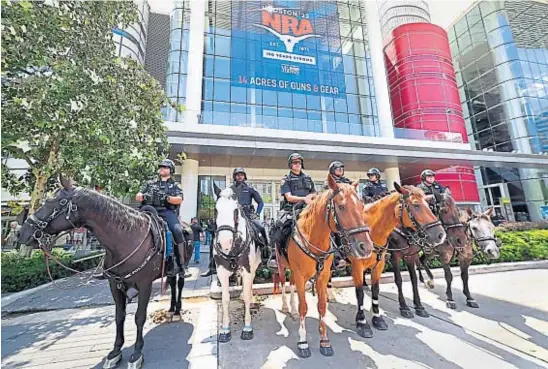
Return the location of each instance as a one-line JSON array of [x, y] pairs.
[[424, 94]]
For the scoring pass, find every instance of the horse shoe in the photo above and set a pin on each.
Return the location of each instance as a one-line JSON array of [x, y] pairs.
[[114, 362], [137, 364]]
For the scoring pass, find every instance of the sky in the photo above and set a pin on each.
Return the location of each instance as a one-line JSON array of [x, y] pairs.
[[443, 12]]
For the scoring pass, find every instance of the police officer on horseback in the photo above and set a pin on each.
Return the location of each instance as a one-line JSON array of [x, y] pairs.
[[374, 188], [297, 189], [336, 169], [165, 195], [245, 195], [431, 187]]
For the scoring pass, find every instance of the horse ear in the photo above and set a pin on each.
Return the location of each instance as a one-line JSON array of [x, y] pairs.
[[65, 182], [489, 211], [469, 211], [331, 182], [216, 190], [448, 191], [355, 184], [402, 190]]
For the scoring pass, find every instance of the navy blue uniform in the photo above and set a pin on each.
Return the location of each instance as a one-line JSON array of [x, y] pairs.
[[245, 195], [435, 189], [342, 179], [300, 185], [155, 193], [374, 190]]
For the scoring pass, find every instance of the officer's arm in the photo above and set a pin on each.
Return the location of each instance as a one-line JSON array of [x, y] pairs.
[[144, 188], [177, 198], [259, 200]]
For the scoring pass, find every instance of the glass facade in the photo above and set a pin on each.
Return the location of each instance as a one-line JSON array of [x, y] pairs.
[[500, 53], [301, 66], [131, 42]]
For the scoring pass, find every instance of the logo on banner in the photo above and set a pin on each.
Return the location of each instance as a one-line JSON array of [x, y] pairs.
[[290, 27]]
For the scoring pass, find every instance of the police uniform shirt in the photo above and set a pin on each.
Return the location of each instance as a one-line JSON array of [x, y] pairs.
[[430, 190], [342, 179], [298, 185], [372, 189], [169, 187], [246, 194]]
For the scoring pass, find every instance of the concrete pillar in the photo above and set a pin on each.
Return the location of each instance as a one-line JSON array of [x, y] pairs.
[[189, 183], [195, 62], [392, 175], [379, 70]]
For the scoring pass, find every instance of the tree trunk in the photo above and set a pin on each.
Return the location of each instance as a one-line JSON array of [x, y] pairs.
[[42, 179]]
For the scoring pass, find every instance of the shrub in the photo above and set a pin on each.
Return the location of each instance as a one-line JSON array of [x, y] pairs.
[[522, 226]]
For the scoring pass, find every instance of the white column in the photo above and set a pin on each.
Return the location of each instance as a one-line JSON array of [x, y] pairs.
[[189, 183], [379, 71], [392, 175], [195, 61]]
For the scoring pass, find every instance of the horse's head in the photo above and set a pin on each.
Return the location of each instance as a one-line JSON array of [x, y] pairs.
[[414, 213], [56, 215], [347, 215], [229, 218], [482, 231], [449, 216]]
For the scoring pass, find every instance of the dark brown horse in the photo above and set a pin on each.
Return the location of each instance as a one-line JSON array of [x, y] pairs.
[[408, 206], [134, 256], [480, 231], [401, 246], [309, 254]]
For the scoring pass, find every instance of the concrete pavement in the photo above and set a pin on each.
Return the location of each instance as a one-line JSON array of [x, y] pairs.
[[509, 330]]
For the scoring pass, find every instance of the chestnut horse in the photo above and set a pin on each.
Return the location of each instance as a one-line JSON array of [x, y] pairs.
[[409, 206], [400, 247], [309, 252]]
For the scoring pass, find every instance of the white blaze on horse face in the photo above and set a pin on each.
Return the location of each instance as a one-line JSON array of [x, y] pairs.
[[225, 206]]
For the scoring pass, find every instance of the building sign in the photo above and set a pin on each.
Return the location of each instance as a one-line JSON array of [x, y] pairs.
[[293, 48]]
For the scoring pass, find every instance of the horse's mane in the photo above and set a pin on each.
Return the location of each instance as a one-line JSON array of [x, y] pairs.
[[111, 210], [320, 203]]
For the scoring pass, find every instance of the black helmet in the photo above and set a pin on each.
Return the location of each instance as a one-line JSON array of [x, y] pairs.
[[374, 171], [293, 157], [427, 172], [334, 166], [239, 170], [168, 164]]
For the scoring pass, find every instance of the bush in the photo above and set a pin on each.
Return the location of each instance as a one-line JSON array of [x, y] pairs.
[[521, 226], [19, 273]]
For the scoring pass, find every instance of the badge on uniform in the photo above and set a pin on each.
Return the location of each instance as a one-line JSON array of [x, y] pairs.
[[282, 182]]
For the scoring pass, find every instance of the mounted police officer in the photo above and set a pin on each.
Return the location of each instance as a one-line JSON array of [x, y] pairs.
[[165, 195], [431, 187], [245, 195], [297, 187], [374, 188]]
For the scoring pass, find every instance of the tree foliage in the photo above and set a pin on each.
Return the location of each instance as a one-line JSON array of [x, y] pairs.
[[69, 105]]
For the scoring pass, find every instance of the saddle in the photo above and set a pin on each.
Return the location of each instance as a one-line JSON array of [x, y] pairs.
[[258, 235], [158, 227]]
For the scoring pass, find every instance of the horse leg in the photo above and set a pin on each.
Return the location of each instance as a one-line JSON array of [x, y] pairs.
[[292, 300], [377, 320], [404, 309], [180, 286], [224, 276], [330, 295], [115, 356], [464, 264], [136, 359], [321, 286], [247, 332], [302, 344], [419, 309], [449, 278], [363, 328], [424, 262], [281, 273], [172, 280]]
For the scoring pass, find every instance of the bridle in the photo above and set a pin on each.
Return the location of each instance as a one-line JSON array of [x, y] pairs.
[[477, 240], [418, 235], [448, 226], [239, 246]]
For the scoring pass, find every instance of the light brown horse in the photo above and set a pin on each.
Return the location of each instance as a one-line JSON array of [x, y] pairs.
[[409, 206], [338, 210]]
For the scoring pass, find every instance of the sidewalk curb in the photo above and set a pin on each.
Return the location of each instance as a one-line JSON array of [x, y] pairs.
[[388, 277]]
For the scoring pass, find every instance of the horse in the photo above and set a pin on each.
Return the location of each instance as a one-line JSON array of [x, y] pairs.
[[402, 247], [408, 205], [309, 253], [234, 251], [133, 241], [481, 232]]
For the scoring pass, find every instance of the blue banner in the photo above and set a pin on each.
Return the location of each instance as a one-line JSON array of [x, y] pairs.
[[291, 46]]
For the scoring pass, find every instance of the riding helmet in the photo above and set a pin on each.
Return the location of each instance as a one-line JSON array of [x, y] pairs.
[[293, 157], [374, 171], [334, 166], [239, 170], [168, 164], [427, 172]]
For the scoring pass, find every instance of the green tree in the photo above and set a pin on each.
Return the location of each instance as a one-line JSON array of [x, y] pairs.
[[69, 105]]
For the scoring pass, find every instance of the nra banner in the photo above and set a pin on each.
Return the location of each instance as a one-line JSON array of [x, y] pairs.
[[291, 46]]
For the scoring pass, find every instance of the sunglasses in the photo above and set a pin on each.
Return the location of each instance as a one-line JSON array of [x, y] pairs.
[[296, 162]]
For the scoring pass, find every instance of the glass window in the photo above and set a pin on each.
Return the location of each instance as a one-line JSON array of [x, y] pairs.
[[461, 26], [221, 90], [473, 16], [222, 45], [222, 67]]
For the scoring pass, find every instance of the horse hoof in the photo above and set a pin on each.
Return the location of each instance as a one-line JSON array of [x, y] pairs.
[[379, 323], [472, 304], [326, 350], [247, 335], [364, 330], [407, 313], [285, 309], [430, 284], [294, 316], [112, 361], [422, 313], [304, 350], [135, 362], [451, 304], [225, 337]]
